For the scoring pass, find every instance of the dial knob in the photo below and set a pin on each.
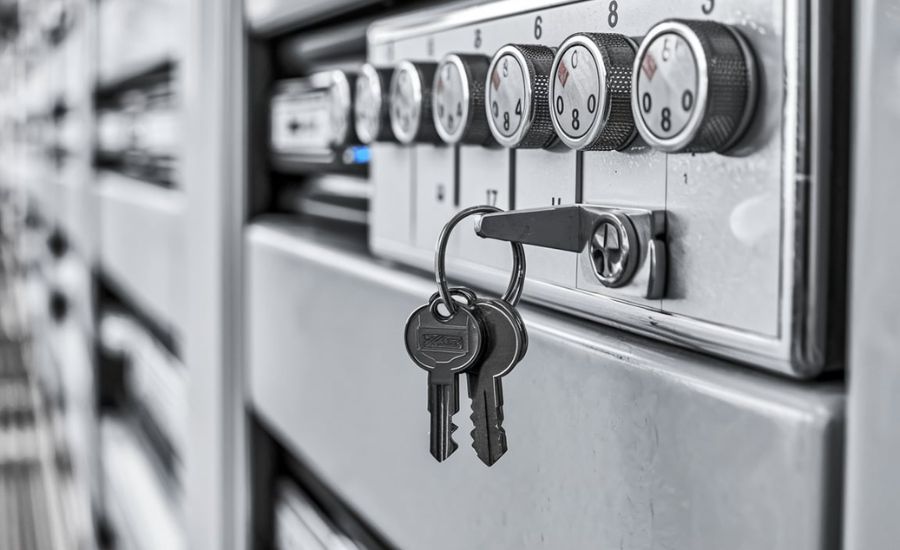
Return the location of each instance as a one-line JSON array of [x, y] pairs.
[[370, 109], [518, 110], [590, 92], [694, 86], [459, 115], [411, 103]]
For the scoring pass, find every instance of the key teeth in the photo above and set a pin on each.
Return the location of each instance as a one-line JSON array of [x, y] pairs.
[[483, 451], [451, 448]]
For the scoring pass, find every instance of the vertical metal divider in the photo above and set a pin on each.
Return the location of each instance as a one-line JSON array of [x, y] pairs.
[[512, 179], [456, 166], [215, 91], [579, 177]]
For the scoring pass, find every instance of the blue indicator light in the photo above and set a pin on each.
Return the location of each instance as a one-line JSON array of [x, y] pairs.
[[358, 154]]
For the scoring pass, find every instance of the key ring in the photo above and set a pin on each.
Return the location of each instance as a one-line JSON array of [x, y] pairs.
[[516, 279]]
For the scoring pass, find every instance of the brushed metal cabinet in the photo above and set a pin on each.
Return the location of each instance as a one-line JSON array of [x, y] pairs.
[[740, 227], [873, 444], [615, 441]]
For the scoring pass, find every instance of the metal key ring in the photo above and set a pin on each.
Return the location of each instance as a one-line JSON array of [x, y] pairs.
[[516, 279]]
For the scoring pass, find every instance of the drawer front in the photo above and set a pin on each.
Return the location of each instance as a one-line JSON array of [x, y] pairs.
[[615, 441]]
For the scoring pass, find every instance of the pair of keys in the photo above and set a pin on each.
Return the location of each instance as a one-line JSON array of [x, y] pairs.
[[458, 332]]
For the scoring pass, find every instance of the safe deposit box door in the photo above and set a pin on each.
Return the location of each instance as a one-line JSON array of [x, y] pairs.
[[615, 441]]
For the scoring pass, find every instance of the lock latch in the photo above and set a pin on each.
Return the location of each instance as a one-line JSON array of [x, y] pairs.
[[624, 248]]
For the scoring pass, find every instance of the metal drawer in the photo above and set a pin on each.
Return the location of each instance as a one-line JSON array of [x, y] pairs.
[[615, 441]]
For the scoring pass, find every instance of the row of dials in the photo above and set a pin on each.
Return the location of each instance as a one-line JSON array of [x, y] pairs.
[[689, 86]]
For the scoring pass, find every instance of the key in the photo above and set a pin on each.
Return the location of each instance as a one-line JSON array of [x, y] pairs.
[[507, 342], [444, 347]]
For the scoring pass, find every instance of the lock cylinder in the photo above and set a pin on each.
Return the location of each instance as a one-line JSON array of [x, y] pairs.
[[411, 103], [517, 86], [371, 108], [458, 110], [590, 92], [694, 87]]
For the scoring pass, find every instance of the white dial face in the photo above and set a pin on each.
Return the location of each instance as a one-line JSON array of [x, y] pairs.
[[667, 85], [506, 100], [576, 93], [406, 102], [367, 106], [451, 100]]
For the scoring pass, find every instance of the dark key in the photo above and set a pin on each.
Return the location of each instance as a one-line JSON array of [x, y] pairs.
[[506, 345], [444, 347]]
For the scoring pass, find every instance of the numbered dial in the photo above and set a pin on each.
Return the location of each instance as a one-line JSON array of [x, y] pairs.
[[411, 103], [590, 92], [694, 86], [517, 104], [371, 116], [459, 115]]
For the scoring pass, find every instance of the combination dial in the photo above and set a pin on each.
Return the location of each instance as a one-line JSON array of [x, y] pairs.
[[694, 86], [459, 115], [411, 103], [370, 108], [590, 92], [516, 100]]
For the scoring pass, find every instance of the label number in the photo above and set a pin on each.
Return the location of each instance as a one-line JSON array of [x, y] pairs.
[[538, 31], [708, 6], [576, 124], [666, 122], [477, 38], [560, 106], [646, 102], [592, 103], [613, 17], [506, 120]]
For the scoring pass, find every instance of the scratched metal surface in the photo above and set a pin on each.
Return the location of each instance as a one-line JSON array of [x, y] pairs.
[[615, 441]]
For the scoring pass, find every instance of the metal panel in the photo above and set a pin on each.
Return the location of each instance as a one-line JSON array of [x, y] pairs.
[[873, 452], [737, 223], [269, 16], [142, 244], [615, 441], [215, 85]]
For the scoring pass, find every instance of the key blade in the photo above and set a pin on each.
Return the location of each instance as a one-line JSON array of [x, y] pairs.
[[443, 403], [506, 337], [488, 435]]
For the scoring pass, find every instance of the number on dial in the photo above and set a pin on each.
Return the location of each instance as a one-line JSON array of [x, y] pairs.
[[451, 99], [667, 85], [506, 95], [575, 88]]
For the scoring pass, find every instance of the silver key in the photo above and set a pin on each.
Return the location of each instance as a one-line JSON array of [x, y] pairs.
[[507, 342], [444, 347]]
